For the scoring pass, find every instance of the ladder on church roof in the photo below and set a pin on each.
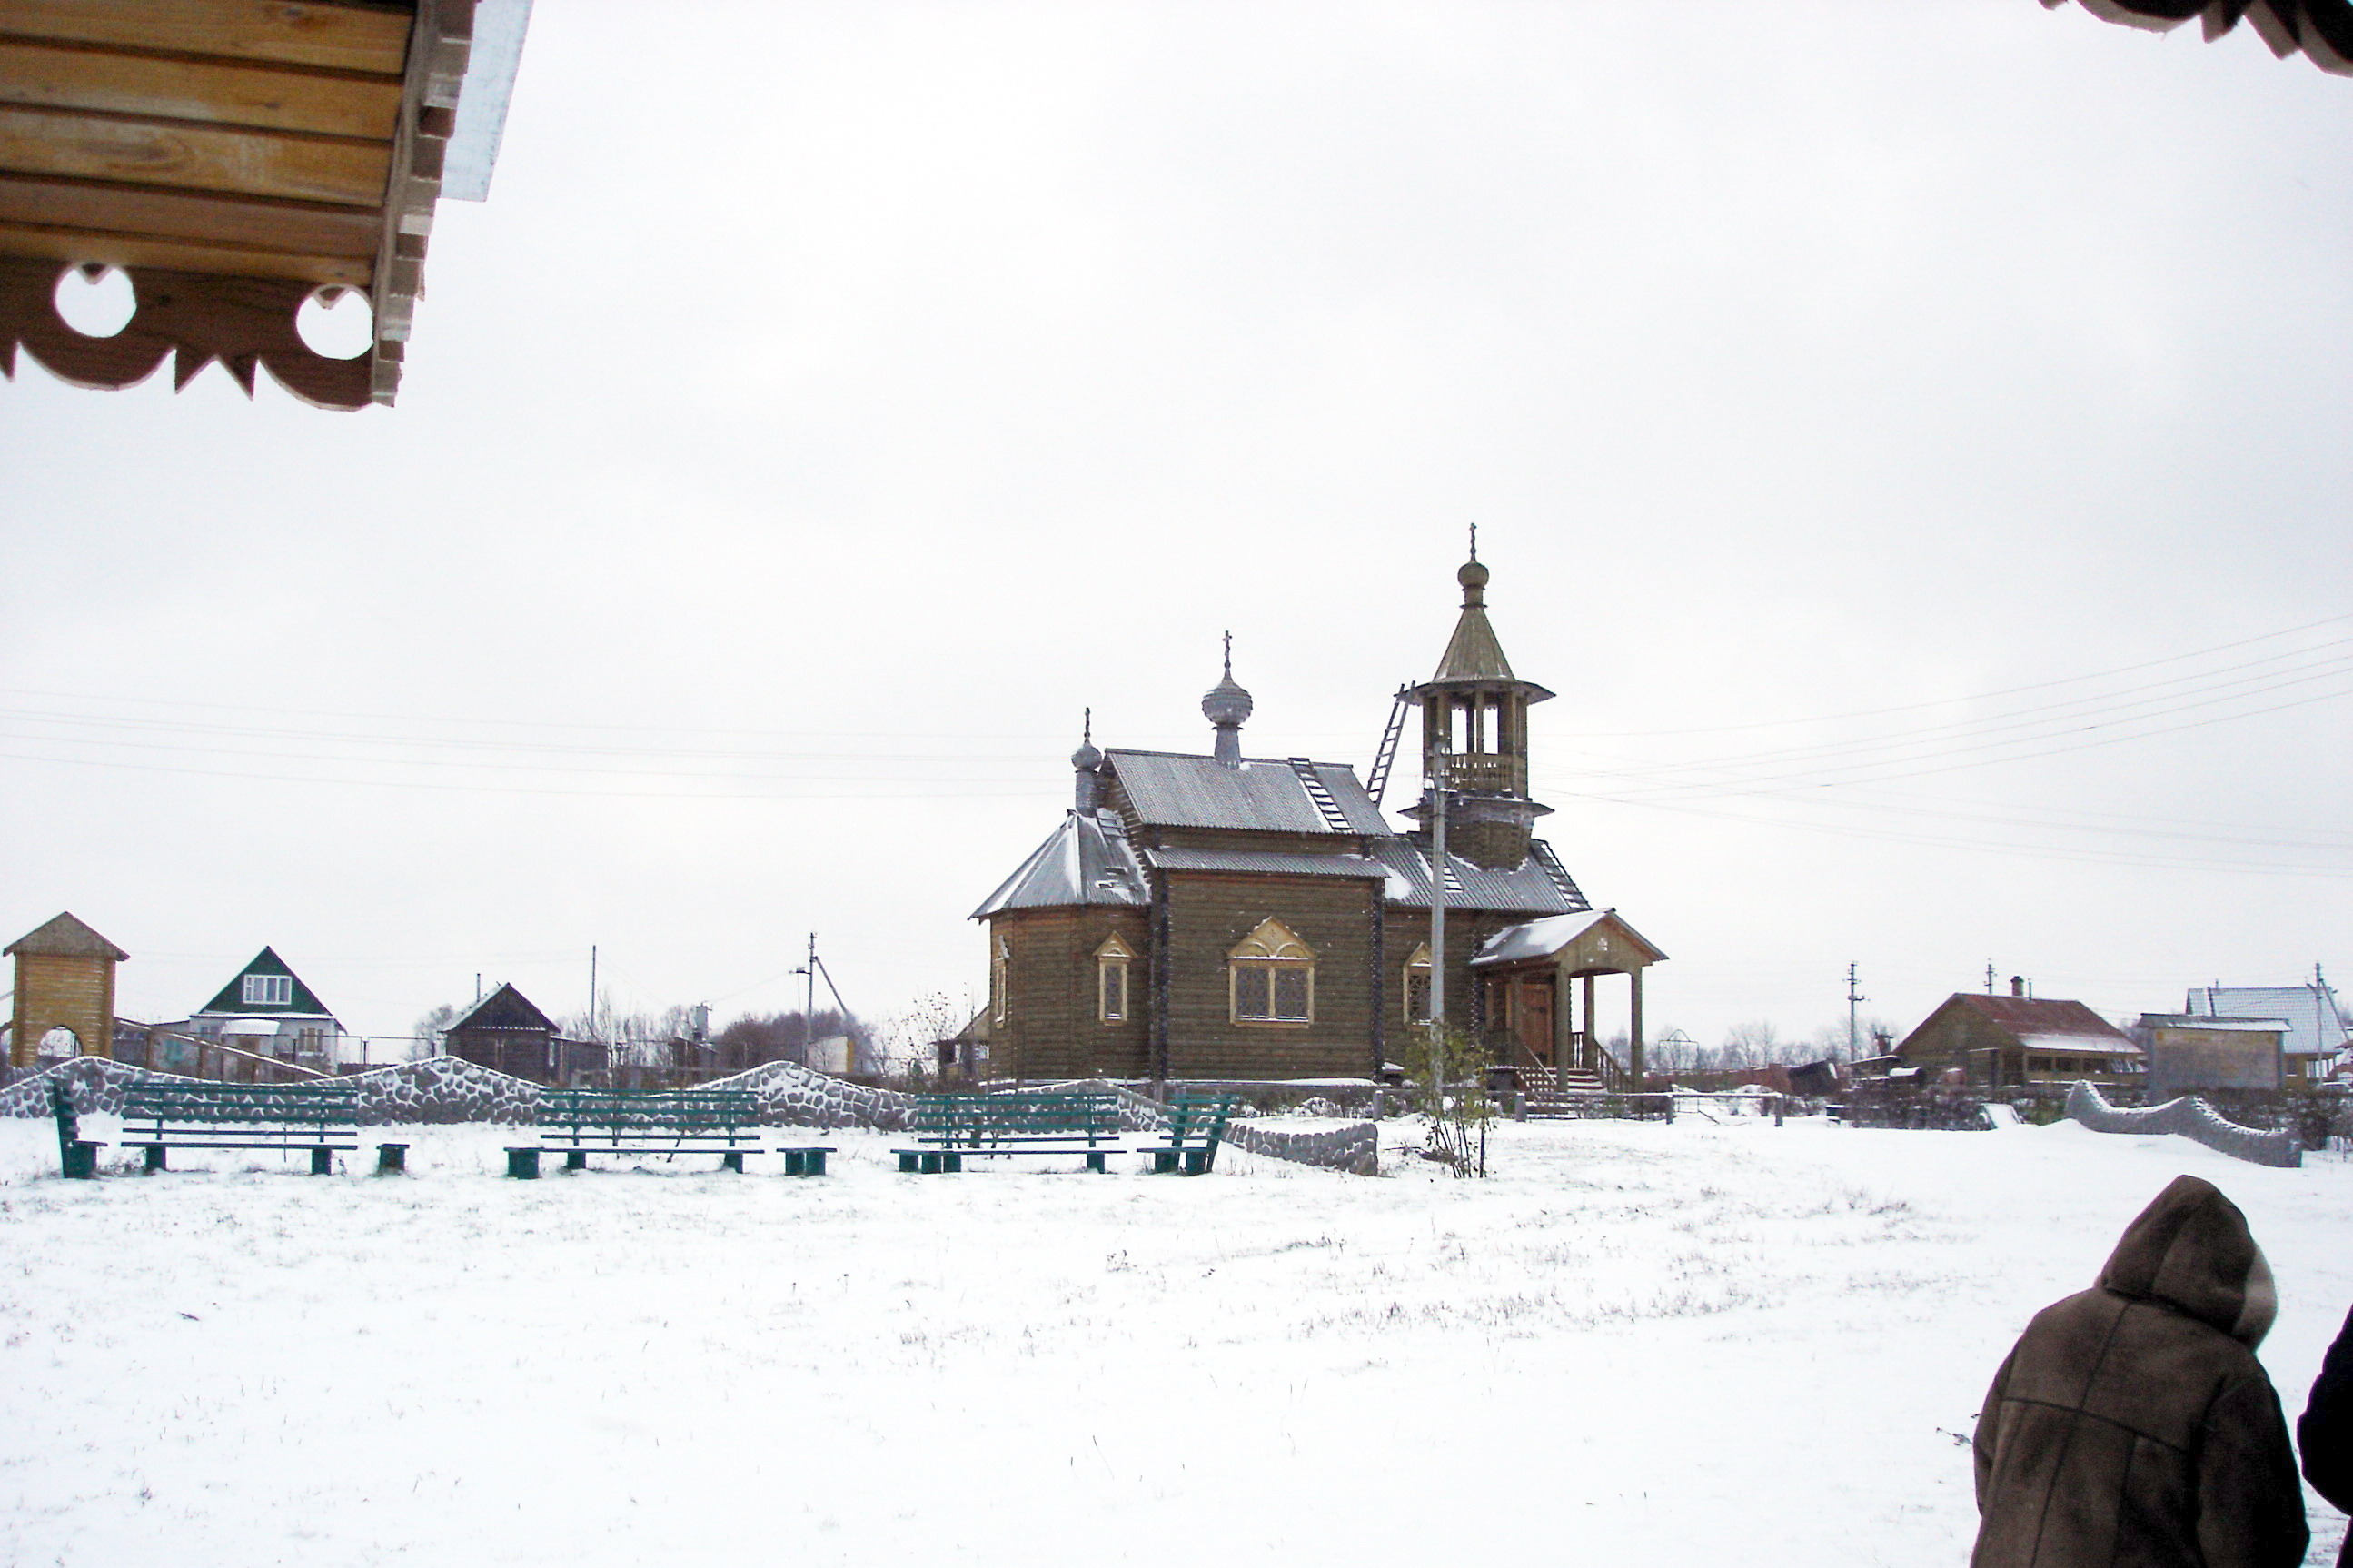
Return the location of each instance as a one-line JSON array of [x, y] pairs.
[[1334, 817], [1377, 780]]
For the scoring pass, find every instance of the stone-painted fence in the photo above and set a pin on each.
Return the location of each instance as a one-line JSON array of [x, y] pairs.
[[447, 1089], [1355, 1148], [2191, 1118]]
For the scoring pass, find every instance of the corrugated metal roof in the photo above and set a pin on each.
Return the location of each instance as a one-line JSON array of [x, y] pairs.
[[1172, 790], [1535, 887], [2316, 1027], [1353, 799], [2025, 1015], [1274, 861], [1545, 937], [1086, 860]]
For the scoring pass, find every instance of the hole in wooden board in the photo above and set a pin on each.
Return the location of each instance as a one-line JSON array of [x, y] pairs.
[[96, 302], [336, 322]]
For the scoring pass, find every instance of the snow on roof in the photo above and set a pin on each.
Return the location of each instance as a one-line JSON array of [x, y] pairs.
[[2080, 1044], [2205, 1021], [1086, 860]]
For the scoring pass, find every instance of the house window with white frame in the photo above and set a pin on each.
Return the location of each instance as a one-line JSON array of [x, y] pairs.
[[1112, 959], [1000, 981], [1272, 977], [268, 990], [1417, 986]]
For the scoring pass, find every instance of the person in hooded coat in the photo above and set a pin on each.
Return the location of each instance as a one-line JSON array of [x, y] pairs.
[[2325, 1433], [2132, 1426]]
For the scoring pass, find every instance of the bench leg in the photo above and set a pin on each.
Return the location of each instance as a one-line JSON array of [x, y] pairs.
[[575, 1159], [732, 1160], [1196, 1162], [1095, 1162], [322, 1162], [154, 1156], [80, 1163], [910, 1162], [1163, 1162], [391, 1159], [523, 1164], [813, 1162]]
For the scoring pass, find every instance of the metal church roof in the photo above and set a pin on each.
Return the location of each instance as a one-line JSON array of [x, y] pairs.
[[1275, 862], [1086, 860], [1171, 789], [1537, 885]]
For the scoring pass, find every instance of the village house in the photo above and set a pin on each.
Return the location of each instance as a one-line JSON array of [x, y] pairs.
[[266, 1010], [2014, 1041], [1225, 917], [2315, 1048], [507, 1032]]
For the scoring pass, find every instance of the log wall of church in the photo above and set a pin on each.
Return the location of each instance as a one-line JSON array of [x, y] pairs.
[[1210, 914], [1052, 1029], [1409, 931]]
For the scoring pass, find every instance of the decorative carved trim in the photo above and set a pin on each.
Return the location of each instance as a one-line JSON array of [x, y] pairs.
[[196, 318]]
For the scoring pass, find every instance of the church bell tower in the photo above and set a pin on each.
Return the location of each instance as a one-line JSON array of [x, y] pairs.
[[1474, 736]]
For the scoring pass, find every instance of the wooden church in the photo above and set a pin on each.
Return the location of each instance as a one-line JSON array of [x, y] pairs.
[[1226, 917]]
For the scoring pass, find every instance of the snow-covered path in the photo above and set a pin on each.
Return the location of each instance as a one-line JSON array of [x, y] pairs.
[[1699, 1344]]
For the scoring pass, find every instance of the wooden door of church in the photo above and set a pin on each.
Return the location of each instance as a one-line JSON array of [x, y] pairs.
[[1533, 1016]]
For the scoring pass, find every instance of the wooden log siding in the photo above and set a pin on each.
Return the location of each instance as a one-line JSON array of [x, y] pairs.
[[229, 156], [1209, 914], [1052, 1029], [54, 989], [1466, 930]]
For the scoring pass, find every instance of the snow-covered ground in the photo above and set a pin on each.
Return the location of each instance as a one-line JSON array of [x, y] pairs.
[[1690, 1344]]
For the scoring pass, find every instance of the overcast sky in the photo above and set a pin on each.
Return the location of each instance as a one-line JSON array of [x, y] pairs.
[[1913, 440]]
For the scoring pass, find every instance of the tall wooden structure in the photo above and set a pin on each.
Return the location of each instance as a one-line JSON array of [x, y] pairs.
[[65, 980], [232, 157], [1227, 917]]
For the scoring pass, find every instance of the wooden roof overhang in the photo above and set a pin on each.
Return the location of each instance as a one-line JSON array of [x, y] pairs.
[[231, 157], [2322, 29]]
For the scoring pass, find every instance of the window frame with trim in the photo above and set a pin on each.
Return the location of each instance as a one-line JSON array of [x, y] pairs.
[[1000, 982], [1417, 974], [267, 991], [1112, 961], [1275, 964]]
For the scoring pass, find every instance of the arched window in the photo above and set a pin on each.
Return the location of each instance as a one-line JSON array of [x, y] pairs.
[[1417, 986], [1000, 981], [1272, 977], [1112, 959]]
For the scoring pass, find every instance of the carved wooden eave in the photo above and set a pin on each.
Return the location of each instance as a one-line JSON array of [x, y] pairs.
[[232, 158]]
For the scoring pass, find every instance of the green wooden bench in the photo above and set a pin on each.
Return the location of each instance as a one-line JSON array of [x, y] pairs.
[[318, 1119], [953, 1127], [578, 1122], [1197, 1125]]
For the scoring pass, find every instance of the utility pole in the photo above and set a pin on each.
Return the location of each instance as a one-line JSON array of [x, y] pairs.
[[1989, 977], [1437, 930], [1852, 996], [592, 991]]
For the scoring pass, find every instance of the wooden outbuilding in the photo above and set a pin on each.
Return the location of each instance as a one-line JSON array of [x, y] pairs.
[[2190, 1052], [64, 1004], [2007, 1042], [232, 159], [506, 1032]]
